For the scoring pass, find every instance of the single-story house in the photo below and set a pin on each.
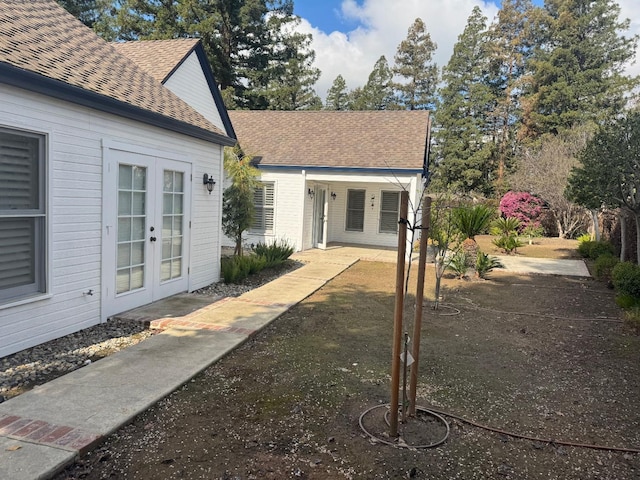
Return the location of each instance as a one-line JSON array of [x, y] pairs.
[[103, 206], [333, 176]]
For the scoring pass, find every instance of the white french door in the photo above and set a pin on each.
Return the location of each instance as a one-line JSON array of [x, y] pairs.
[[146, 242], [320, 209]]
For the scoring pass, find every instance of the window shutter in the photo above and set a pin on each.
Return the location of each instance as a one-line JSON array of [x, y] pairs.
[[17, 257], [389, 212], [355, 210], [269, 201], [264, 202], [19, 172], [22, 214]]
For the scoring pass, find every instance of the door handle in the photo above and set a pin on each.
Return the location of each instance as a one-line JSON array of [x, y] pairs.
[[153, 239]]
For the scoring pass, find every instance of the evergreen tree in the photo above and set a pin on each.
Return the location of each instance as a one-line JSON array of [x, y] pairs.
[[238, 209], [291, 74], [377, 94], [250, 44], [578, 65], [609, 173], [337, 95], [462, 152], [413, 64], [87, 11], [509, 47]]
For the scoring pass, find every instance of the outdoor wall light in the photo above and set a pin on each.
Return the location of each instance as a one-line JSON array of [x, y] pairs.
[[209, 182], [333, 195], [311, 193]]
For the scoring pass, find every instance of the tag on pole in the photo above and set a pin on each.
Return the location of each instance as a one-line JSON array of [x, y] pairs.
[[409, 358]]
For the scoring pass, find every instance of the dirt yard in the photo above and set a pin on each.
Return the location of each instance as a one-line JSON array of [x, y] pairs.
[[540, 356]]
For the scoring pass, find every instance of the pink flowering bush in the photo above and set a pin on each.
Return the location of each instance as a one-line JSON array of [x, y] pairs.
[[525, 207]]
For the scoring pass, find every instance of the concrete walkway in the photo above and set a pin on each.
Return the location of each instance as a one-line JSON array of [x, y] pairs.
[[45, 429]]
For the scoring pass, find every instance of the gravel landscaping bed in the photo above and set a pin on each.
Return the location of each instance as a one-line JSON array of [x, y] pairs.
[[34, 366]]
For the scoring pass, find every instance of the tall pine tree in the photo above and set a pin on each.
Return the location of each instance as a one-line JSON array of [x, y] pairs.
[[377, 94], [578, 66], [291, 75], [509, 46], [414, 65], [337, 95], [462, 152], [249, 52]]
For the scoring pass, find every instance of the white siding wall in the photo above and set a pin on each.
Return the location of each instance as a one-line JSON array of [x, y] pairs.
[[294, 209], [289, 190], [338, 215], [74, 203], [189, 83]]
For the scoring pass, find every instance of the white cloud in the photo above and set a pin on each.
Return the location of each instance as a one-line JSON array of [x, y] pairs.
[[383, 24], [631, 9]]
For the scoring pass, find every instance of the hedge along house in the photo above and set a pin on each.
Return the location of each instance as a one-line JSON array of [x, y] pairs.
[[102, 202], [333, 176]]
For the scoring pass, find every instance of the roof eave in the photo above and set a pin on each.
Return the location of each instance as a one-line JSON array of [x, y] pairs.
[[41, 84], [215, 91], [335, 169]]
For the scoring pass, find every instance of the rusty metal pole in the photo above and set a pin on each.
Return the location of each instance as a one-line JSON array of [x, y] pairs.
[[397, 316], [417, 322]]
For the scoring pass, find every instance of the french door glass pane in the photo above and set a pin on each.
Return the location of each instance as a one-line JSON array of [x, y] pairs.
[[172, 225], [132, 194]]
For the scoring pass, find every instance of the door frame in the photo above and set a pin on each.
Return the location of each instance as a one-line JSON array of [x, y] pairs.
[[154, 289], [320, 206]]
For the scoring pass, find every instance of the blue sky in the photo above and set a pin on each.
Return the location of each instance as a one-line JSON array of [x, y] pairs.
[[325, 14], [350, 35]]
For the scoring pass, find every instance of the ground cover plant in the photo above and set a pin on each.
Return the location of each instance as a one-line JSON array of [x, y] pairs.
[[544, 356]]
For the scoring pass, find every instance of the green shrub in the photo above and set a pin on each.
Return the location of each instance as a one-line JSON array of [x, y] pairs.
[[603, 266], [585, 237], [508, 243], [486, 264], [458, 263], [505, 226], [592, 249], [236, 269], [533, 231], [625, 301], [274, 253], [230, 270], [626, 279]]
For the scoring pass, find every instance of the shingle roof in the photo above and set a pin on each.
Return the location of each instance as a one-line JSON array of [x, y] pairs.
[[158, 57], [40, 37], [364, 139]]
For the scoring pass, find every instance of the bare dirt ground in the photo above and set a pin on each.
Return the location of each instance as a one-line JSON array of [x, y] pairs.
[[542, 356]]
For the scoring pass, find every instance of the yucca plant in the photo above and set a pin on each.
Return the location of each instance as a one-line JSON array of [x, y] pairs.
[[472, 221], [486, 264], [505, 226], [459, 264]]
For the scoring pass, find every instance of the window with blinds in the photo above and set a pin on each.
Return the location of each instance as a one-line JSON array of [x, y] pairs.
[[355, 210], [22, 214], [264, 203], [389, 211]]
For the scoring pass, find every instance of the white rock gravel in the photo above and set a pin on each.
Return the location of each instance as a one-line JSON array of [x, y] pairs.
[[34, 366]]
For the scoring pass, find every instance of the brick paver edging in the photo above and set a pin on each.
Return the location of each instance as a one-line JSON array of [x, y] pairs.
[[45, 433]]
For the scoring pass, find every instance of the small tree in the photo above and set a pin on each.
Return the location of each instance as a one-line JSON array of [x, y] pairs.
[[237, 201], [443, 235]]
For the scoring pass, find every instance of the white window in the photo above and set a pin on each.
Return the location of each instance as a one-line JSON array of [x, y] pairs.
[[355, 210], [389, 211], [264, 200], [22, 214]]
